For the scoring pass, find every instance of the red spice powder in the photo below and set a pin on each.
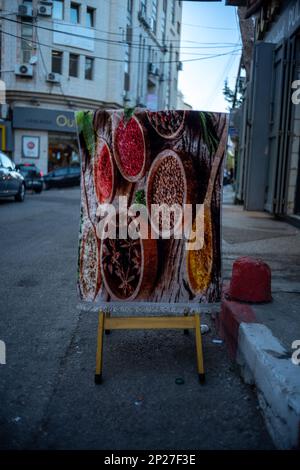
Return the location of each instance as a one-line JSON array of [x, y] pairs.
[[103, 174], [130, 146]]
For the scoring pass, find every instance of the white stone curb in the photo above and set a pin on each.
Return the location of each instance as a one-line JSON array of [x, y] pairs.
[[267, 364]]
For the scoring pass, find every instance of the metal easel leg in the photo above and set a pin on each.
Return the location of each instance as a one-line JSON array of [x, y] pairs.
[[99, 355], [186, 314], [107, 315], [199, 349]]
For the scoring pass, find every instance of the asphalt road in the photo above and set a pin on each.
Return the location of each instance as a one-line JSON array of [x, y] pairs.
[[48, 399]]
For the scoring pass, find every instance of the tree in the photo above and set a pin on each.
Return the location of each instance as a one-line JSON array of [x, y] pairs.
[[232, 95]]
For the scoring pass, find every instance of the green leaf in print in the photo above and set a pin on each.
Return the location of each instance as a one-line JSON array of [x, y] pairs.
[[208, 130], [84, 120]]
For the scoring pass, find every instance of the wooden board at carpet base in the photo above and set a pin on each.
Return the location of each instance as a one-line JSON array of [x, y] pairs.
[[155, 159]]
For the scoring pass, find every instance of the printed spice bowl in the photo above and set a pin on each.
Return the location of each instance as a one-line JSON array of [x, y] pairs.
[[167, 124], [130, 143], [200, 260], [129, 266], [104, 173], [89, 281], [167, 185]]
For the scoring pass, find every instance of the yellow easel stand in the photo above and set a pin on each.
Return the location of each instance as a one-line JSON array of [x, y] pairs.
[[106, 324]]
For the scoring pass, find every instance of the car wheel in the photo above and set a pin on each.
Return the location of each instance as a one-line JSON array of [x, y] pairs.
[[47, 186], [38, 190], [21, 194]]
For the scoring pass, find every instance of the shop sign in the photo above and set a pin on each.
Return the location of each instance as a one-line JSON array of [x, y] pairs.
[[30, 147], [44, 119]]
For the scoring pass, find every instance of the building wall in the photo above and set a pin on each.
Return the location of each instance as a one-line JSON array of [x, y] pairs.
[[280, 32], [106, 40], [107, 86]]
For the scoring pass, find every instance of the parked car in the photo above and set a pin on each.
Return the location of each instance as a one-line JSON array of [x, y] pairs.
[[32, 175], [63, 177], [12, 183]]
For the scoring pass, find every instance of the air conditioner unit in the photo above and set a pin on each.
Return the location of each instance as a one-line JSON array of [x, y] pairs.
[[53, 77], [25, 11], [24, 70], [44, 10]]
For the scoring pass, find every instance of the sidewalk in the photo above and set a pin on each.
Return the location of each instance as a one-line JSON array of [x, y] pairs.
[[260, 337]]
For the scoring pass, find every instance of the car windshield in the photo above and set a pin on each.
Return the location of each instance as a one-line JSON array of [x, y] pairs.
[[61, 172], [27, 169], [74, 170]]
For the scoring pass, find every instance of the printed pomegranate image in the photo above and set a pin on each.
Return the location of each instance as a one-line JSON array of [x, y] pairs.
[[130, 148], [89, 265], [168, 124], [103, 170]]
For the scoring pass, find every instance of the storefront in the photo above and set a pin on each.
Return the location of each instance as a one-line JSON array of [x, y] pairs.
[[45, 137]]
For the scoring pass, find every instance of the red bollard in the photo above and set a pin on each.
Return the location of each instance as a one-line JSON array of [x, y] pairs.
[[251, 280]]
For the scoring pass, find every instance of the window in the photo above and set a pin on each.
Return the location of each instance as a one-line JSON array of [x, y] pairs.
[[57, 62], [74, 13], [154, 15], [26, 42], [73, 65], [90, 17], [178, 27], [173, 11], [58, 10], [89, 68]]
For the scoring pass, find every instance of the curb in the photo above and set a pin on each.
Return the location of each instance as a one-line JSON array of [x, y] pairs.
[[265, 363]]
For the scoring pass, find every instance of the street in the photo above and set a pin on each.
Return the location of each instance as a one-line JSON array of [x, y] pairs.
[[47, 392]]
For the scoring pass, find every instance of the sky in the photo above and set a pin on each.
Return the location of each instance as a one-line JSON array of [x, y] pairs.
[[202, 81]]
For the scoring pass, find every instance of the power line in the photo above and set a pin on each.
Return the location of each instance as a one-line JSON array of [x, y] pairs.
[[122, 61], [115, 42]]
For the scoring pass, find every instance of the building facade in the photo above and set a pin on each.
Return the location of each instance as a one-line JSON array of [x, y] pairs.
[[61, 56], [268, 172]]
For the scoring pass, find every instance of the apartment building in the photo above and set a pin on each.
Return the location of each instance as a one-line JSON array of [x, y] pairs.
[[60, 56]]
